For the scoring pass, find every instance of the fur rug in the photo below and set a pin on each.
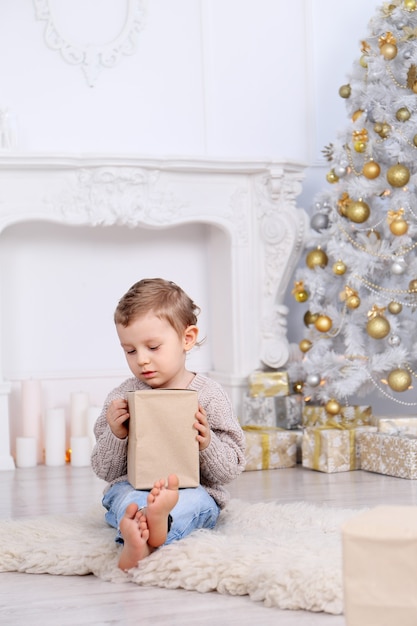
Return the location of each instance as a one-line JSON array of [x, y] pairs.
[[286, 555]]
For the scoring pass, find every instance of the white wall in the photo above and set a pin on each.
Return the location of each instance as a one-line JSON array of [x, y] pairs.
[[221, 78]]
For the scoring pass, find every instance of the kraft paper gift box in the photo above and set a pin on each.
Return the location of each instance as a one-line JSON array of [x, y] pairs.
[[280, 411], [397, 425], [269, 383], [269, 448], [380, 567], [389, 454], [332, 449], [162, 438], [316, 415]]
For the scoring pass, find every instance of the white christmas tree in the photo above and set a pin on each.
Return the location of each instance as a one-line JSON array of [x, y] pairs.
[[359, 283]]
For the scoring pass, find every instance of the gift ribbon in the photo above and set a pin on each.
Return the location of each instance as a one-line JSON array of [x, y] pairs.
[[265, 432]]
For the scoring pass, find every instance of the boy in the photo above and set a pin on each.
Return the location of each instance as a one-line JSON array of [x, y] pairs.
[[156, 322]]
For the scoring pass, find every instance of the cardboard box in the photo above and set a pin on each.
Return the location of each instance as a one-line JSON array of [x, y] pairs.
[[162, 437], [380, 567], [269, 448], [389, 454]]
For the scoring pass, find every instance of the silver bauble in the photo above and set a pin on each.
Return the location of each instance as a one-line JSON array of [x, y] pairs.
[[398, 267], [394, 340], [319, 221], [340, 171], [313, 380]]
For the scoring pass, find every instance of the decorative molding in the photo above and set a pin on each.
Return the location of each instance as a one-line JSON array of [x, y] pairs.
[[93, 58]]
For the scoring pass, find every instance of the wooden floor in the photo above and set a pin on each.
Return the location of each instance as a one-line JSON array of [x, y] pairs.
[[43, 600]]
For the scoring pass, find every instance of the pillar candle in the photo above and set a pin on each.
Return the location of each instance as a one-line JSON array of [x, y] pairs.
[[31, 407], [55, 437], [78, 413], [26, 451], [93, 413], [80, 451]]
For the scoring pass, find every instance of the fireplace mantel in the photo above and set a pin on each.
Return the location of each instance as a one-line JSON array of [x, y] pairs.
[[253, 203]]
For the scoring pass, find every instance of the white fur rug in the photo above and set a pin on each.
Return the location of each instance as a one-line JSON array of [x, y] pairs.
[[286, 555]]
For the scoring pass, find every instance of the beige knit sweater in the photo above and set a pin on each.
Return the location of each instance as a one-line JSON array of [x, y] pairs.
[[221, 462]]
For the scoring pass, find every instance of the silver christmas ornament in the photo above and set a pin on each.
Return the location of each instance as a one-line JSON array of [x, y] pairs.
[[398, 267], [394, 340], [340, 171], [319, 221], [313, 380]]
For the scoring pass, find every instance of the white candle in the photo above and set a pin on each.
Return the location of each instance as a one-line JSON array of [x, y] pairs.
[[55, 437], [78, 413], [31, 404], [80, 451], [26, 451], [92, 415]]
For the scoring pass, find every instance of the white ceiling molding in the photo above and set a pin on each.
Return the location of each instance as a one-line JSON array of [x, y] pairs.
[[93, 58]]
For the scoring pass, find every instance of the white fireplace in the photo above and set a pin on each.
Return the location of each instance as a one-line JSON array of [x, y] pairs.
[[253, 232]]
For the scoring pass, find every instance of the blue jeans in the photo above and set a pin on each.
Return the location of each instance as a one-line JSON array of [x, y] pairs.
[[195, 509]]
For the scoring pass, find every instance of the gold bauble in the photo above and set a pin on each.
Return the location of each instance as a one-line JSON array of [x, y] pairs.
[[403, 114], [410, 5], [332, 406], [399, 379], [395, 307], [356, 115], [415, 140], [412, 285], [331, 177], [353, 302], [389, 51], [414, 87], [301, 295], [378, 327], [298, 386], [359, 146], [371, 170], [345, 91], [398, 175], [363, 61], [339, 268], [310, 318], [323, 323], [386, 129], [305, 345], [398, 227], [358, 211], [316, 258]]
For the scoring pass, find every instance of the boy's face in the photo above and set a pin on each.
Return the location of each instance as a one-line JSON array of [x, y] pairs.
[[155, 352]]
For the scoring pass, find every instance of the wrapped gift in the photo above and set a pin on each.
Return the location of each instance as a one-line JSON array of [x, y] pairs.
[[332, 449], [380, 567], [269, 448], [397, 425], [269, 383], [389, 454], [162, 438], [316, 415], [280, 411], [300, 433]]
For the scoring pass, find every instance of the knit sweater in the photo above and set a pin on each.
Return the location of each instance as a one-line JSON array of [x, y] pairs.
[[220, 463]]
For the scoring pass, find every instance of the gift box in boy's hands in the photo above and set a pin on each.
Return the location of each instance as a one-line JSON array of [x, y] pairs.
[[162, 438]]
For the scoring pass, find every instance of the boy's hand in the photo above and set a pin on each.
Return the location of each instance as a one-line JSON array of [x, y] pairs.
[[203, 428], [117, 416]]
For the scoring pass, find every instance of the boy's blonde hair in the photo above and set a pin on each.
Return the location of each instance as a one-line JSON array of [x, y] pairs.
[[163, 297]]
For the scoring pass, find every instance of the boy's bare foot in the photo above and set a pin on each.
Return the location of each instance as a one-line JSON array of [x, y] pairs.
[[135, 533], [161, 500]]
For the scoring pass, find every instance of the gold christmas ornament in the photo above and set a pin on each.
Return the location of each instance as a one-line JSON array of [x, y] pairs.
[[363, 61], [299, 292], [386, 38], [298, 386], [305, 345], [371, 170], [345, 91], [415, 140], [399, 379], [339, 268], [323, 323], [353, 302], [398, 175], [398, 227], [395, 307], [389, 51], [403, 114], [412, 285], [378, 326], [332, 407], [358, 211], [410, 5], [331, 177], [310, 318], [356, 115], [359, 146], [316, 258]]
